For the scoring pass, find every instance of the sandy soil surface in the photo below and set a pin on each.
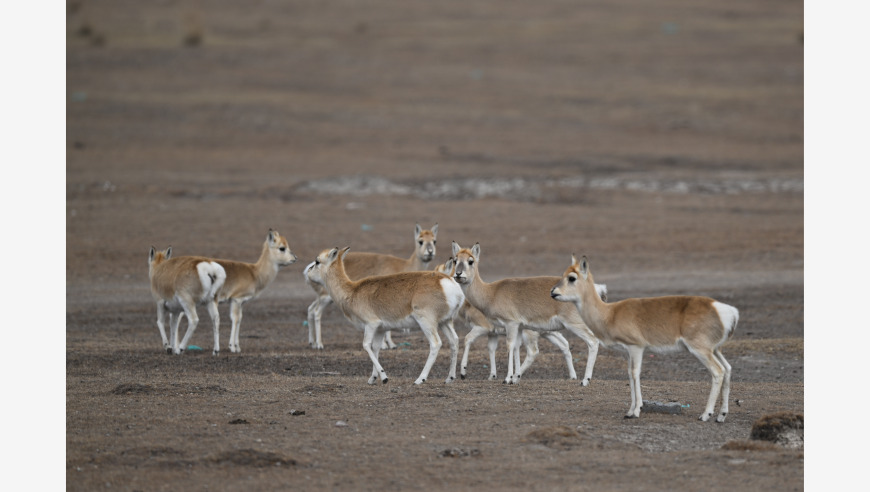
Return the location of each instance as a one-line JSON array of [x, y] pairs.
[[664, 141]]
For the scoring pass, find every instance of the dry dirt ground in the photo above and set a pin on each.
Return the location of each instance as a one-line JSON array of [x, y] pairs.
[[664, 140]]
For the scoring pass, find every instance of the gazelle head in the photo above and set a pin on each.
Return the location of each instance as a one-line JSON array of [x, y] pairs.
[[279, 249], [446, 268], [575, 282], [465, 261], [157, 257], [312, 273], [425, 242], [326, 259]]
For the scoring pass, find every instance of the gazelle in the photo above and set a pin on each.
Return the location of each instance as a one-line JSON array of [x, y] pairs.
[[480, 326], [178, 284], [376, 304], [361, 265], [699, 324], [513, 302]]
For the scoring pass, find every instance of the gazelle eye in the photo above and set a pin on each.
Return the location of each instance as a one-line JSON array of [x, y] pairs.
[[471, 262], [317, 261], [420, 243], [282, 249], [572, 279]]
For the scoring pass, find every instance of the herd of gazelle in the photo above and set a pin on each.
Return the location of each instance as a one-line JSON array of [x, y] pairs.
[[379, 293]]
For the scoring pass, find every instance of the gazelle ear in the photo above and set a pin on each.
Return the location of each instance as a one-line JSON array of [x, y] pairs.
[[168, 252], [344, 252], [573, 259], [417, 231], [333, 254], [435, 230], [475, 251], [272, 236], [456, 248], [151, 255], [584, 268]]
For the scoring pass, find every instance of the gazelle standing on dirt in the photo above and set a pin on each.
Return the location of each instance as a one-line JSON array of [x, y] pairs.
[[699, 324], [361, 265], [480, 326], [513, 302], [376, 304], [178, 284]]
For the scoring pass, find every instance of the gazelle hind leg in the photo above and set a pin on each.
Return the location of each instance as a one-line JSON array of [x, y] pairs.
[[635, 360], [717, 373], [453, 342], [369, 335], [192, 320], [161, 316], [377, 344], [472, 335], [430, 331], [592, 343], [388, 341], [174, 322], [559, 341], [216, 324], [726, 385], [530, 339]]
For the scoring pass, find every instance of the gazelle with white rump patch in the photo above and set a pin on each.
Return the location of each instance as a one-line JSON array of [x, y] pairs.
[[480, 326], [525, 301], [699, 324], [361, 265], [376, 304], [178, 284]]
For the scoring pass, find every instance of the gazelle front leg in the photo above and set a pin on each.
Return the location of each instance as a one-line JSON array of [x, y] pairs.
[[315, 313], [492, 345], [236, 318], [512, 330]]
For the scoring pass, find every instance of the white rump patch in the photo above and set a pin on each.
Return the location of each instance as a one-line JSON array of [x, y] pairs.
[[453, 293], [602, 291], [212, 277], [729, 316]]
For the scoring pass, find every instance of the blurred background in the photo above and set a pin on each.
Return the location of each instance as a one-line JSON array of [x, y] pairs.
[[182, 115]]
